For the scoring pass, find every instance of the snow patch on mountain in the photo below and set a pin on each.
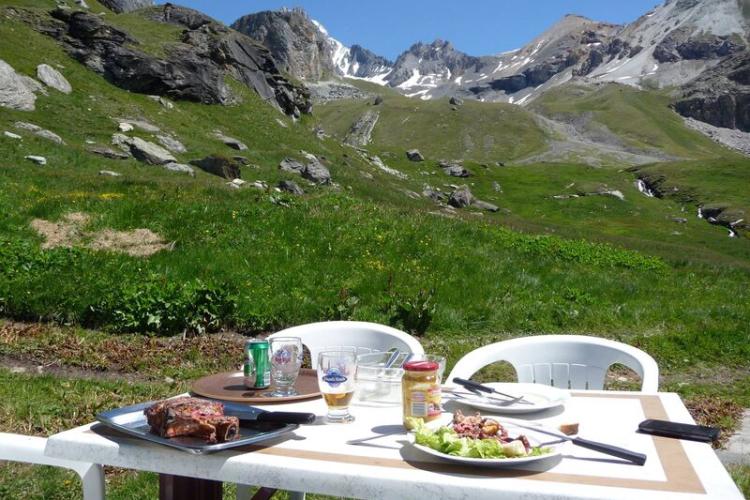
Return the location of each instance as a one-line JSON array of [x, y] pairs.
[[358, 64]]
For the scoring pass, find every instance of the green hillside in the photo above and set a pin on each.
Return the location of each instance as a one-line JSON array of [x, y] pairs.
[[641, 119], [483, 132]]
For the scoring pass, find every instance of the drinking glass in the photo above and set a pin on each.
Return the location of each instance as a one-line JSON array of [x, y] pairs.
[[286, 361], [336, 380]]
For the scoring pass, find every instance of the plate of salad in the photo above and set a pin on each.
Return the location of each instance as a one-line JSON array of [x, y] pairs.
[[479, 440]]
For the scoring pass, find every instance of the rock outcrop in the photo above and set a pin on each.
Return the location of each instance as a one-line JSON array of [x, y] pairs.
[[193, 70], [144, 151], [120, 6], [14, 93], [296, 43], [360, 133], [313, 170], [721, 96]]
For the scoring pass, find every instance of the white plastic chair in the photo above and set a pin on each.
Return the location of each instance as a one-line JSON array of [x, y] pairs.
[[563, 361], [318, 336], [30, 449]]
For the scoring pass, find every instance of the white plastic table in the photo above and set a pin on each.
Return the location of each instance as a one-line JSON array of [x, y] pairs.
[[317, 458]]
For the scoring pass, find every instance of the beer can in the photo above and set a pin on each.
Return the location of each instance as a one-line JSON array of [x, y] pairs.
[[257, 369]]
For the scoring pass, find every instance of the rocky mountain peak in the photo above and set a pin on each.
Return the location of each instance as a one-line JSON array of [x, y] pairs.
[[294, 39]]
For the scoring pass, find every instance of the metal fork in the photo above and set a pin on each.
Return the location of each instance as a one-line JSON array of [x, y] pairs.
[[499, 402]]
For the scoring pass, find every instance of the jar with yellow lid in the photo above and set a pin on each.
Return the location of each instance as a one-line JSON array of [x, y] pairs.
[[421, 392]]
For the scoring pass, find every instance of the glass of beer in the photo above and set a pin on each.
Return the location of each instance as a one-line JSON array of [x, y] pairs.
[[336, 371]]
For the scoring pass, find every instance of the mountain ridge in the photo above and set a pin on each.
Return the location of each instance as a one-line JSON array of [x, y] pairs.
[[668, 46]]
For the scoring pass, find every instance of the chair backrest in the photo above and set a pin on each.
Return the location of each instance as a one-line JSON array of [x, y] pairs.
[[318, 336], [564, 361]]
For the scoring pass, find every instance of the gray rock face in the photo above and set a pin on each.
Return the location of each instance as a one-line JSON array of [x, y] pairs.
[[145, 151], [193, 70], [680, 45], [120, 6], [291, 187], [40, 132], [291, 165], [227, 168], [230, 141], [171, 143], [361, 132], [315, 171], [14, 93], [299, 47], [414, 155], [721, 96], [53, 78]]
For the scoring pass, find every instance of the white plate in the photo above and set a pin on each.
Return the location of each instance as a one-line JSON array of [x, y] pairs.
[[544, 397], [556, 449]]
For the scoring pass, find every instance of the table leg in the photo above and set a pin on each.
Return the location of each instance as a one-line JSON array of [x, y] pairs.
[[188, 488]]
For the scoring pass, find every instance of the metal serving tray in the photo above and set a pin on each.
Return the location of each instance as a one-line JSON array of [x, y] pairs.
[[131, 420]]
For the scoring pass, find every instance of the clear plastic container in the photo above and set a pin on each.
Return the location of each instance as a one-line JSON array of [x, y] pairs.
[[376, 384]]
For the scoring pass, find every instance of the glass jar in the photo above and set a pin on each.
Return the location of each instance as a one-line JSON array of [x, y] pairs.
[[421, 392]]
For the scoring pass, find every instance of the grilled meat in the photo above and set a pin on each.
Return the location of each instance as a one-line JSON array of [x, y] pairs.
[[192, 417]]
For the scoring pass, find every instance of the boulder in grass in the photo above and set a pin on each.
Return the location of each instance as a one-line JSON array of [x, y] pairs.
[[14, 92], [456, 101], [230, 141], [109, 173], [291, 165], [149, 152], [316, 172], [485, 205], [40, 132], [108, 153], [414, 155], [290, 187], [171, 143], [39, 160], [11, 135], [180, 168], [454, 168], [228, 168], [461, 197], [53, 78]]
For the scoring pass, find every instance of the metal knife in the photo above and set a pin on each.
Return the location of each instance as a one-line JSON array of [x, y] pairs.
[[607, 449]]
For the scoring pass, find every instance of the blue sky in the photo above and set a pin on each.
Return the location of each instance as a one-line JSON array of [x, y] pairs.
[[477, 27]]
